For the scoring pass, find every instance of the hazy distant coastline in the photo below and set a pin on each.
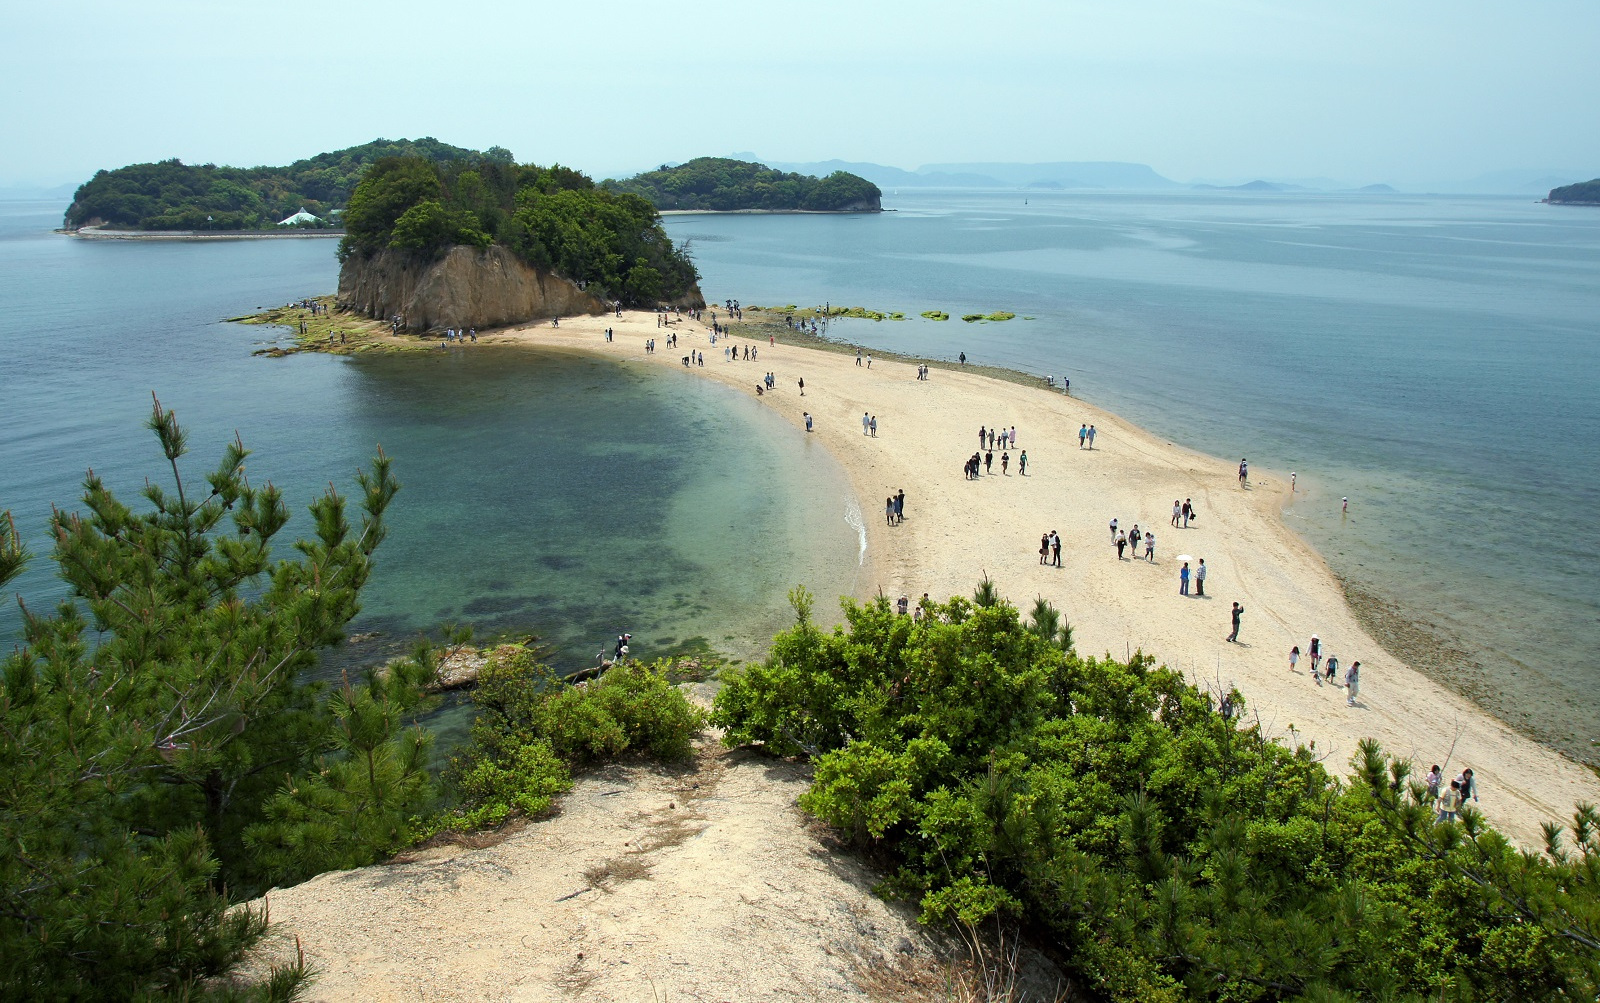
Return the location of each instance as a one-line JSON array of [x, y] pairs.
[[95, 233]]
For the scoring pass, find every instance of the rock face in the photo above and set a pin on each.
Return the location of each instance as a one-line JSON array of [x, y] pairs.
[[467, 287]]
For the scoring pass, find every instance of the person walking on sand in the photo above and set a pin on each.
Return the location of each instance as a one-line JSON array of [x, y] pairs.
[[1177, 512], [888, 510], [1083, 433], [1022, 463], [1468, 785], [1331, 668], [874, 426], [858, 356], [808, 419], [1121, 542], [1150, 547], [1134, 536], [1005, 461], [1314, 649], [900, 506], [988, 461], [1294, 659], [802, 379], [983, 436], [1200, 580], [1113, 531], [1091, 436], [1238, 613], [1188, 511], [1352, 684], [1448, 804], [865, 424], [1244, 471], [1183, 579], [1012, 437], [1044, 549], [1055, 548]]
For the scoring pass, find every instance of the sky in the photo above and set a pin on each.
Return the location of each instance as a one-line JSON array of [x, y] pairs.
[[1218, 90]]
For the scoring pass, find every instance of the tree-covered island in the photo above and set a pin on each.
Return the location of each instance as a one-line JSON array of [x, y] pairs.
[[172, 195], [1582, 193], [722, 185]]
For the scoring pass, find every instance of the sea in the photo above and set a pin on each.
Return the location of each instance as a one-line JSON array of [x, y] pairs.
[[1434, 360], [1431, 359], [548, 494]]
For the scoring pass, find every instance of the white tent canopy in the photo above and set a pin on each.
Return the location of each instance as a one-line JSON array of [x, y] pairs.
[[300, 217]]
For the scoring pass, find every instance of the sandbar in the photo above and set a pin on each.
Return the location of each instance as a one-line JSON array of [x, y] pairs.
[[957, 530]]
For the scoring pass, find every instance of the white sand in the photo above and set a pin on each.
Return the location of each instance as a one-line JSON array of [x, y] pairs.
[[955, 530]]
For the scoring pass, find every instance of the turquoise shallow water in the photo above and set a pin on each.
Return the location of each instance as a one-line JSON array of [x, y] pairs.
[[550, 493], [1436, 360]]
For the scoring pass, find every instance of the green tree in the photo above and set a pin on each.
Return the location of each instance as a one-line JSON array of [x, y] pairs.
[[1162, 849], [148, 725]]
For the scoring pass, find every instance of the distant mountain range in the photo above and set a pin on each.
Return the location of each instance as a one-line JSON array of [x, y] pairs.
[[1116, 175], [1053, 176], [19, 193]]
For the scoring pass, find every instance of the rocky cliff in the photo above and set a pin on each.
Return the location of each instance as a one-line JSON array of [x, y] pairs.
[[467, 287]]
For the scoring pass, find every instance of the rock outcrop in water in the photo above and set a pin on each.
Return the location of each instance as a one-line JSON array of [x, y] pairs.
[[465, 287]]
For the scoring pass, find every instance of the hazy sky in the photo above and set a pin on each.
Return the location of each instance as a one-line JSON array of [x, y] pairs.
[[1362, 91]]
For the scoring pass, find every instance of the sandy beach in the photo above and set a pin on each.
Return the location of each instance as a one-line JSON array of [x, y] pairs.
[[956, 530]]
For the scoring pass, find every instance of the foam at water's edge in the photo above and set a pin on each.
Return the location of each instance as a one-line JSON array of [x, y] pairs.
[[852, 518]]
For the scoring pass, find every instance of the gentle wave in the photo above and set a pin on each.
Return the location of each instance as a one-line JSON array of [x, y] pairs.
[[852, 518]]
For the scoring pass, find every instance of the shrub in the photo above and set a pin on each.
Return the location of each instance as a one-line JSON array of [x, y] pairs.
[[532, 727], [1166, 849]]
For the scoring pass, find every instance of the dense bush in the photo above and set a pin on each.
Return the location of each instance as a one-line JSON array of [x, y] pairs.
[[725, 185], [162, 756], [172, 195], [553, 218], [1165, 849], [1587, 192], [532, 726]]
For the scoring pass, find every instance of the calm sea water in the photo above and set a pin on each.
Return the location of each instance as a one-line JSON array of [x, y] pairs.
[[1436, 360], [557, 494]]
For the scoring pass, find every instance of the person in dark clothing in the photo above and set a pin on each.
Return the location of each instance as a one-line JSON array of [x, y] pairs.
[[1238, 611]]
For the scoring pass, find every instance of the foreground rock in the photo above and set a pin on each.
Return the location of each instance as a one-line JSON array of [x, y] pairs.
[[704, 882]]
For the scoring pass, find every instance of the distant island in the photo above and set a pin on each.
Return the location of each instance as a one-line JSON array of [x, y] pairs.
[[719, 184], [307, 194], [1582, 193]]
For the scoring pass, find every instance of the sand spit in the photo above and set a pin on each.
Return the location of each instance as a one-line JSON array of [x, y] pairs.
[[956, 530], [708, 883]]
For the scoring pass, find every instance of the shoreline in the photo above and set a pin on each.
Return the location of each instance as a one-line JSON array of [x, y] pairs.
[[770, 212], [957, 530], [95, 233]]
